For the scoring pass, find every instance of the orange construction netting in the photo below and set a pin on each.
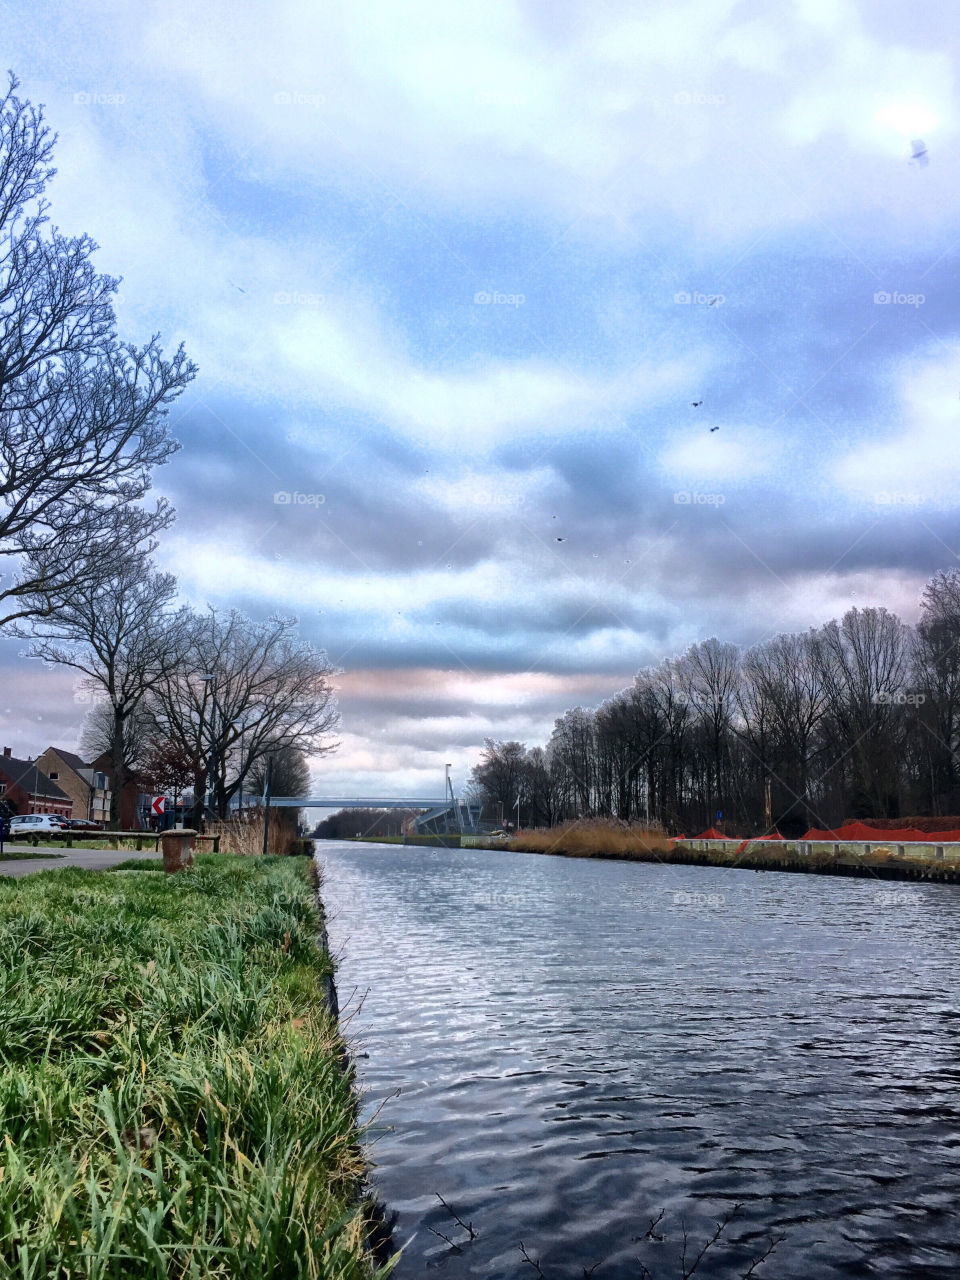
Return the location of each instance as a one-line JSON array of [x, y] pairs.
[[882, 835]]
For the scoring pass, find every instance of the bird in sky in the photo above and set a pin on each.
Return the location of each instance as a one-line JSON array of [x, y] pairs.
[[919, 152], [561, 539], [696, 403], [236, 286], [714, 429]]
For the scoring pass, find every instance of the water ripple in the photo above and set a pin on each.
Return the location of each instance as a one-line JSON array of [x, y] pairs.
[[581, 1044]]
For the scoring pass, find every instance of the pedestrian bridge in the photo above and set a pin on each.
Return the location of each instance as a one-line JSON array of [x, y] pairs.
[[358, 802]]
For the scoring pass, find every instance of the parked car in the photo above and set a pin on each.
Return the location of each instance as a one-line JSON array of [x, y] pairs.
[[80, 824], [28, 824]]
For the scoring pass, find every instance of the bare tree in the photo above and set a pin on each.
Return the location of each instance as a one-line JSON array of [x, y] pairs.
[[97, 734], [499, 780], [245, 690], [862, 662], [290, 775], [712, 671], [936, 660], [783, 707], [123, 633], [82, 415]]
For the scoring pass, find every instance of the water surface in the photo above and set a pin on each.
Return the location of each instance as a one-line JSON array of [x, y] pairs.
[[581, 1044]]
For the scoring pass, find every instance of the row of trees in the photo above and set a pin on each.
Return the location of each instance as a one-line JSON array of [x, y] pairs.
[[190, 700], [347, 823], [193, 701], [857, 718]]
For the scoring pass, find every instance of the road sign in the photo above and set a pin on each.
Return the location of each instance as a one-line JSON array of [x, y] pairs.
[[157, 806]]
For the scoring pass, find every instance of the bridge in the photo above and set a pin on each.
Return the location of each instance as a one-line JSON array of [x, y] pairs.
[[357, 802], [440, 814]]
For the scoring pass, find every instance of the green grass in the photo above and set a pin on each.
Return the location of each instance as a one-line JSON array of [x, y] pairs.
[[82, 841], [174, 1100], [150, 864]]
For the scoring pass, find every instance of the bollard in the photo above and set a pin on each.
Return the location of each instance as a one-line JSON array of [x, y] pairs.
[[177, 850]]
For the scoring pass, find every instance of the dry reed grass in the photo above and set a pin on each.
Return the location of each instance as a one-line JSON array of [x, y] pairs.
[[594, 838]]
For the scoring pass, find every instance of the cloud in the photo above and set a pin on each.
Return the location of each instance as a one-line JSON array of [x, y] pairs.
[[314, 203], [734, 455], [916, 464]]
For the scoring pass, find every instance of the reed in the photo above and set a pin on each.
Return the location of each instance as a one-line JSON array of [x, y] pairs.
[[594, 838]]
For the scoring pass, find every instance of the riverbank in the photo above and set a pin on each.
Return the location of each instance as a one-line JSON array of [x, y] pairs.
[[879, 859], [174, 1093]]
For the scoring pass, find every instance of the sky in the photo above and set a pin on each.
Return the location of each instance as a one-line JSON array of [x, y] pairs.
[[458, 277]]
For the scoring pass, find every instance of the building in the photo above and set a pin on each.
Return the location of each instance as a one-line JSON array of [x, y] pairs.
[[26, 789], [134, 807], [88, 788]]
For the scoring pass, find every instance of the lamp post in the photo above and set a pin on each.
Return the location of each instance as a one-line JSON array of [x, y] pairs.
[[453, 800], [240, 777], [199, 802]]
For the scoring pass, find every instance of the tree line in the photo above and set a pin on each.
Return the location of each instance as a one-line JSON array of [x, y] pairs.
[[191, 699], [345, 824], [858, 718]]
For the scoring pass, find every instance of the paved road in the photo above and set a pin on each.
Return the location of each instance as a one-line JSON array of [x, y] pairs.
[[88, 859]]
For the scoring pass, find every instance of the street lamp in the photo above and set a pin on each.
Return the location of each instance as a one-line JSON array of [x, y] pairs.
[[199, 802], [240, 728]]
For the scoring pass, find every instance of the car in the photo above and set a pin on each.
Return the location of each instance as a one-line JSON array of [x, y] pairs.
[[80, 824], [27, 824]]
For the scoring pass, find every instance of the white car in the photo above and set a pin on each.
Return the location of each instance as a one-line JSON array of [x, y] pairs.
[[28, 824]]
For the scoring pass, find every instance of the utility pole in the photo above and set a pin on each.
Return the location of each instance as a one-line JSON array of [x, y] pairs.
[[266, 803]]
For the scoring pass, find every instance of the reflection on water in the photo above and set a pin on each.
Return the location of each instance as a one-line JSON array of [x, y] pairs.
[[579, 1045]]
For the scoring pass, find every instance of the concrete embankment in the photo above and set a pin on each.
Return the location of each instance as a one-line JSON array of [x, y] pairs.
[[880, 860]]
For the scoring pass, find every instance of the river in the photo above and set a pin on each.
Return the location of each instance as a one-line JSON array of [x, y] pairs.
[[579, 1045]]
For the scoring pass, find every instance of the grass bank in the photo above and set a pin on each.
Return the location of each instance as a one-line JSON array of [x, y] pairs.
[[52, 840], [17, 855], [174, 1100]]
